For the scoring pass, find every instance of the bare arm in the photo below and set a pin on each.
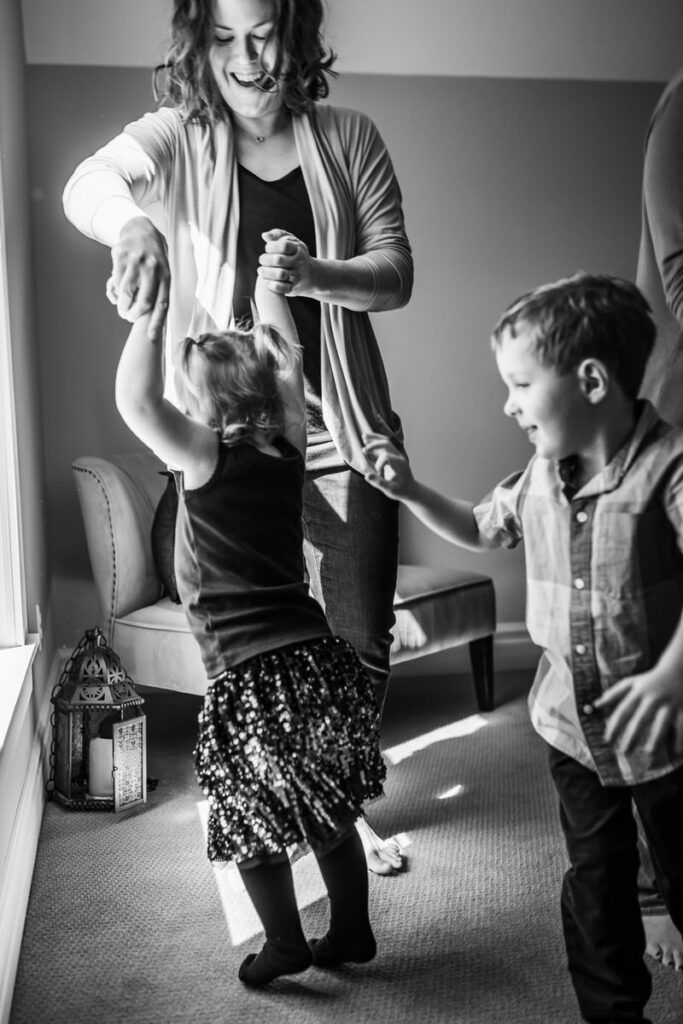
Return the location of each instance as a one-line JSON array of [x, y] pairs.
[[272, 308], [179, 441], [450, 518]]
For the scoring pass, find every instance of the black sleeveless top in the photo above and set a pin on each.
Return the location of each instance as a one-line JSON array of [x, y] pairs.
[[239, 557], [279, 204]]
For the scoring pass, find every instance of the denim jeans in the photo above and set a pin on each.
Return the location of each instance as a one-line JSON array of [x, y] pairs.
[[351, 551], [601, 917]]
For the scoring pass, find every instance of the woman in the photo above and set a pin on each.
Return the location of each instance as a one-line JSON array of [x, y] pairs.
[[243, 149], [660, 279]]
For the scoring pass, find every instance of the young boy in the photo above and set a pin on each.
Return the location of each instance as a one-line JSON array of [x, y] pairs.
[[601, 507]]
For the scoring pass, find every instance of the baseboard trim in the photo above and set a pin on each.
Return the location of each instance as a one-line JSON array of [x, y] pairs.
[[512, 651], [513, 648], [17, 874]]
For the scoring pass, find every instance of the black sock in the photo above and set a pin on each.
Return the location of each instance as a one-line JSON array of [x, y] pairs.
[[349, 938], [271, 889]]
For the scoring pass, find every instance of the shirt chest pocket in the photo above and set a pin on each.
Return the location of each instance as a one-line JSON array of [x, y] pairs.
[[633, 551]]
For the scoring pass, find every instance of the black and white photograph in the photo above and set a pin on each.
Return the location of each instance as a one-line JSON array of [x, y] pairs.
[[341, 512]]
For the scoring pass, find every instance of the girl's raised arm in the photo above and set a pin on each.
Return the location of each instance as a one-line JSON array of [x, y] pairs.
[[273, 309], [180, 442]]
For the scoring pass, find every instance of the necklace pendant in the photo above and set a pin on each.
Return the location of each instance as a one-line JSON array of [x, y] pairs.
[[260, 138]]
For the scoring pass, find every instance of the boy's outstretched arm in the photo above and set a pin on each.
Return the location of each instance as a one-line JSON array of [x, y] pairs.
[[647, 709], [273, 309], [449, 517]]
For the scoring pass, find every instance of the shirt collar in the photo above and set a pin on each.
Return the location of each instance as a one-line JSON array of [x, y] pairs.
[[647, 421]]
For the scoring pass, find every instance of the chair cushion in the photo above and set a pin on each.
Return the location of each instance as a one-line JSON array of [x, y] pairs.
[[440, 608], [435, 609], [156, 648]]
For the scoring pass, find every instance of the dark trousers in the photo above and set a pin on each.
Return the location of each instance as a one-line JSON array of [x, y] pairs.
[[601, 916], [351, 550], [649, 896]]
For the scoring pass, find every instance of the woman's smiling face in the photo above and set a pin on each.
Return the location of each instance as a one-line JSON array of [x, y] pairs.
[[243, 45]]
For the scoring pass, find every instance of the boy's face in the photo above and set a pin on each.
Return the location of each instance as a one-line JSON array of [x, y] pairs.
[[551, 409]]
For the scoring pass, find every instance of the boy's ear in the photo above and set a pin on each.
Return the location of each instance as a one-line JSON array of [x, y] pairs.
[[593, 379]]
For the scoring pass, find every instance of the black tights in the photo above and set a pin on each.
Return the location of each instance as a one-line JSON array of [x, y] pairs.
[[271, 889]]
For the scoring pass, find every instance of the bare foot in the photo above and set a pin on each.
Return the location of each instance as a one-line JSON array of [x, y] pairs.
[[383, 856], [664, 942]]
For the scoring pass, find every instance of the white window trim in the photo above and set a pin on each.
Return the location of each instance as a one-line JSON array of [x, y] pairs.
[[12, 591], [15, 663]]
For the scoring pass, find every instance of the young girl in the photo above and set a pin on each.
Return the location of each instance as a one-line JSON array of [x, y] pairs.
[[287, 749]]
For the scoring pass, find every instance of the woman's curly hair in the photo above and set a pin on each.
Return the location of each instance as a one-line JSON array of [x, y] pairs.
[[303, 62]]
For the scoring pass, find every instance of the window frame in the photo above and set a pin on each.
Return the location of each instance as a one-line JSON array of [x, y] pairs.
[[12, 578]]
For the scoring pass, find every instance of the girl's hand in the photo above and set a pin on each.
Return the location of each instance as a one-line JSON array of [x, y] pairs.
[[140, 278], [286, 264], [392, 473], [647, 710]]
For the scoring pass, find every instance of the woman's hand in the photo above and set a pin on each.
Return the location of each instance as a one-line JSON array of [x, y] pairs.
[[286, 264], [141, 277]]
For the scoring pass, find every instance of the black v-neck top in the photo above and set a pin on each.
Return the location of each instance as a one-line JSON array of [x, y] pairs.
[[264, 205]]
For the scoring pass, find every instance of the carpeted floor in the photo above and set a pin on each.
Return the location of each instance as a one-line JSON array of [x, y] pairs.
[[128, 922]]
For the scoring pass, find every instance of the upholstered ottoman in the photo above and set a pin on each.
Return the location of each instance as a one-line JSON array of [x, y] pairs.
[[441, 608]]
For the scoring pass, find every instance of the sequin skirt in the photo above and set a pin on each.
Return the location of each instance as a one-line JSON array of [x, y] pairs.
[[288, 749]]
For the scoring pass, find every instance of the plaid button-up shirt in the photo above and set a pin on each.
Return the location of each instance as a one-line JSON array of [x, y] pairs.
[[604, 585]]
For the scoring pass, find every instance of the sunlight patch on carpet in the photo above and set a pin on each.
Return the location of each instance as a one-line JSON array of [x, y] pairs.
[[464, 727], [240, 916], [453, 791]]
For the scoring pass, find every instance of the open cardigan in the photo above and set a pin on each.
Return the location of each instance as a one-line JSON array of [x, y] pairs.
[[660, 259], [184, 176]]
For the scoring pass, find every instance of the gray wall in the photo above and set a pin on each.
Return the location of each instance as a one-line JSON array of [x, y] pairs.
[[21, 302], [506, 183], [22, 760]]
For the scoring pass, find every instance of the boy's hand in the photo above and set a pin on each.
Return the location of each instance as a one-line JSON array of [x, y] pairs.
[[392, 473], [647, 711]]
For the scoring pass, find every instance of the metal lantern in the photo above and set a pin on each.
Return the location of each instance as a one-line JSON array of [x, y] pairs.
[[99, 749]]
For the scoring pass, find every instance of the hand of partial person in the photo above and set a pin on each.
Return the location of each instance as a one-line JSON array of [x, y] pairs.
[[392, 473], [647, 710], [140, 278], [286, 264]]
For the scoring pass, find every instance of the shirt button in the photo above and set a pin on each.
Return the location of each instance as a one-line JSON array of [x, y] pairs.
[[580, 648], [578, 583], [581, 517], [588, 709]]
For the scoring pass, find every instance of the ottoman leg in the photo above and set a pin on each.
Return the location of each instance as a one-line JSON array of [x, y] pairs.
[[481, 659]]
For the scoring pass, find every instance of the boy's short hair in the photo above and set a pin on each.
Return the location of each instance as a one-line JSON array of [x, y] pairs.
[[584, 316]]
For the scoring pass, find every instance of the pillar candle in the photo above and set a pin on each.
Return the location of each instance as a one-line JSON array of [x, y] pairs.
[[101, 768]]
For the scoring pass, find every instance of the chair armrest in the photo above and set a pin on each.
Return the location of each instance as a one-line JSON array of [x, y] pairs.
[[118, 497]]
